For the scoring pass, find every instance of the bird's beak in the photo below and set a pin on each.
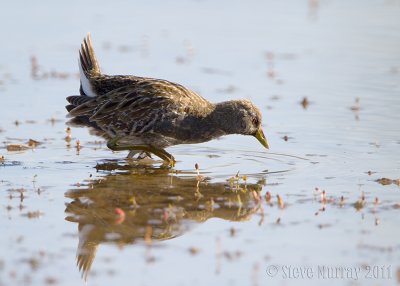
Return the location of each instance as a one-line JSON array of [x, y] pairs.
[[261, 138]]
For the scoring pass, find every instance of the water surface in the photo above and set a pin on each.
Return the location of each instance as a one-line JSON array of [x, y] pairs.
[[70, 215]]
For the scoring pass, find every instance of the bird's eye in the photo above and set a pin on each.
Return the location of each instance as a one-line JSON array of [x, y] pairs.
[[255, 121]]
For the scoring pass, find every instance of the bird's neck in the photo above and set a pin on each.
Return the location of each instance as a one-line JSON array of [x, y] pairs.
[[223, 117], [210, 124]]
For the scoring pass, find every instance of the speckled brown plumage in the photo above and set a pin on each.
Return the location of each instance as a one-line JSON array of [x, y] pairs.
[[137, 113]]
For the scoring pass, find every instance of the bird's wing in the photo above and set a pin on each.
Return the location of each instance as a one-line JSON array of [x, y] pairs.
[[135, 109]]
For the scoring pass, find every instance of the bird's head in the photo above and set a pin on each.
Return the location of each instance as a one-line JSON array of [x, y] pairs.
[[241, 117]]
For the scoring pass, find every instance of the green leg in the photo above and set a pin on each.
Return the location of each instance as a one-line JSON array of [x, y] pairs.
[[168, 158]]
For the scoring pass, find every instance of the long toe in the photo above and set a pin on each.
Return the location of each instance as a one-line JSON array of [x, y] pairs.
[[172, 161], [168, 163]]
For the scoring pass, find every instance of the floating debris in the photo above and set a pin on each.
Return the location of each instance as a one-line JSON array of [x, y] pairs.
[[341, 201], [323, 197], [180, 60], [268, 197], [189, 54], [359, 204], [17, 147], [271, 73], [281, 204], [37, 74], [387, 181], [78, 146], [384, 181], [34, 214], [34, 67], [125, 48], [53, 120], [231, 255], [396, 206], [193, 250], [68, 137], [33, 143], [22, 147], [228, 89], [356, 106], [269, 56], [305, 102], [51, 280]]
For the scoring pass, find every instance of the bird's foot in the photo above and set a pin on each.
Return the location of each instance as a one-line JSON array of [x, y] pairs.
[[169, 160]]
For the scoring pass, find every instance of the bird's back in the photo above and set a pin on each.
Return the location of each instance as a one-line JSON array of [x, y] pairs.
[[129, 105], [139, 106]]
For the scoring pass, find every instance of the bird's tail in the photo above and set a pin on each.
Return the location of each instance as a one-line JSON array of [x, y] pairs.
[[88, 66]]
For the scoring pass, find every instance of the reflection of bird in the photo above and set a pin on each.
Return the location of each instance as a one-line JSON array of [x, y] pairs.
[[87, 248], [150, 198], [148, 115]]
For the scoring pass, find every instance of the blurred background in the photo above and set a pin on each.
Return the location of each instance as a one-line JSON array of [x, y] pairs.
[[326, 76]]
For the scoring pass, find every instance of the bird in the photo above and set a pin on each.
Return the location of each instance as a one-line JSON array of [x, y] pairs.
[[146, 115]]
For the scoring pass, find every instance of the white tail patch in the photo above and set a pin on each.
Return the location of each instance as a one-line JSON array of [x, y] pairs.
[[86, 85]]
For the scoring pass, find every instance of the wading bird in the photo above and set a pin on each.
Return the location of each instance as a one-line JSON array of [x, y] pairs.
[[147, 115]]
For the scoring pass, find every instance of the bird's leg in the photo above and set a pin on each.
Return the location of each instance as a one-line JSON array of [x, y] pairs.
[[112, 143], [132, 153], [168, 158], [142, 154]]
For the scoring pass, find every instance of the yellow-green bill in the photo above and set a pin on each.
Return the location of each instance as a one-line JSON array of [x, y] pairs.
[[261, 137]]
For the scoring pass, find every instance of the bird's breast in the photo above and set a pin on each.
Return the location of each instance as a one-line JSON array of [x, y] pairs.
[[190, 130]]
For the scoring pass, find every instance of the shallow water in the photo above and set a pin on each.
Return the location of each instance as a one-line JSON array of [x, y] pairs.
[[70, 215]]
